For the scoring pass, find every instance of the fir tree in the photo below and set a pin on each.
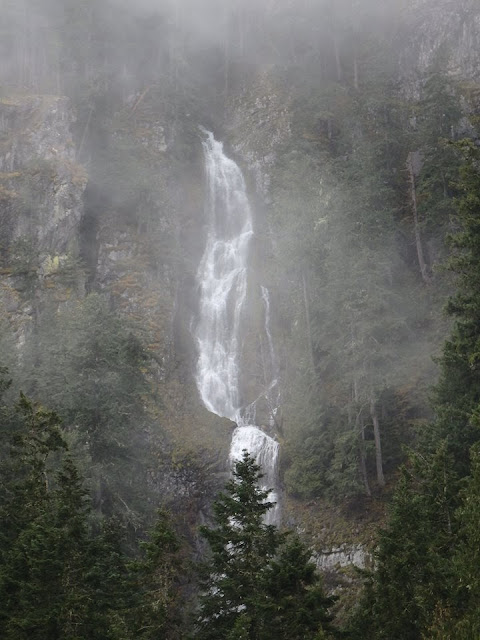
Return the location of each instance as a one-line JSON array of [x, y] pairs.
[[297, 606], [157, 612], [50, 584], [423, 586], [256, 585], [413, 566], [457, 398], [458, 616]]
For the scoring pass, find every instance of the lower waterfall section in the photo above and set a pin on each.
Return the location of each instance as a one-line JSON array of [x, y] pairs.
[[265, 450], [222, 282]]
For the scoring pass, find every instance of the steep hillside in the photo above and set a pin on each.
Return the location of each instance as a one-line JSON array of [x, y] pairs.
[[343, 117]]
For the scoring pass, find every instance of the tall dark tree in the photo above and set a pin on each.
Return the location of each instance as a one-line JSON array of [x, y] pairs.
[[458, 615], [297, 607], [50, 585], [91, 369], [421, 569], [156, 579], [457, 400], [413, 558], [242, 546], [256, 584]]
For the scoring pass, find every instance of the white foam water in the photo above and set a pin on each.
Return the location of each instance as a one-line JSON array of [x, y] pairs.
[[222, 280]]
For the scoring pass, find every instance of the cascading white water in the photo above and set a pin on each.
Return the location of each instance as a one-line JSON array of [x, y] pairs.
[[222, 279], [265, 450], [271, 350], [272, 394], [222, 276]]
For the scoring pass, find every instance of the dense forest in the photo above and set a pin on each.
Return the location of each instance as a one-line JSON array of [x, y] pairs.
[[355, 124]]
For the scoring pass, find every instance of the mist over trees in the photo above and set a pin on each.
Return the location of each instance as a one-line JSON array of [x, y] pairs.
[[356, 125]]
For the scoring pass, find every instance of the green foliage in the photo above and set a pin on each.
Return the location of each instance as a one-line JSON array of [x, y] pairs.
[[256, 583], [44, 564], [25, 471], [159, 601], [357, 336], [296, 602], [87, 362], [458, 617], [6, 413], [413, 559], [241, 547], [423, 582], [63, 574], [308, 460], [356, 322], [457, 393], [438, 116]]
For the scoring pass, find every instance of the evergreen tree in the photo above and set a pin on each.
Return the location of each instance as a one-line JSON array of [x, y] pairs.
[[256, 585], [91, 369], [49, 569], [157, 612], [458, 615], [423, 586], [438, 116], [467, 557], [413, 558], [242, 546], [111, 579], [34, 438], [46, 574], [457, 398], [297, 606]]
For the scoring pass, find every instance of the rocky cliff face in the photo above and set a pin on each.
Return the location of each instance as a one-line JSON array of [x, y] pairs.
[[136, 242], [41, 191], [259, 124], [38, 155], [65, 232], [441, 32]]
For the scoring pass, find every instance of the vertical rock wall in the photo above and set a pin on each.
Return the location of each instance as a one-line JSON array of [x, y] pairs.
[[41, 206]]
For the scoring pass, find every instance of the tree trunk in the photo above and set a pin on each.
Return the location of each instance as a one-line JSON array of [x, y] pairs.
[[378, 443], [360, 428], [226, 53], [85, 131], [418, 240], [242, 22], [308, 323], [355, 71], [174, 46], [360, 431], [338, 63]]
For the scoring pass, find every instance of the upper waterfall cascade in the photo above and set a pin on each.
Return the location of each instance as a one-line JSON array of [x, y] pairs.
[[222, 280], [222, 276]]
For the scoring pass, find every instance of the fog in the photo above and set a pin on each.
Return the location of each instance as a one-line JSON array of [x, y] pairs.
[[138, 41], [311, 99]]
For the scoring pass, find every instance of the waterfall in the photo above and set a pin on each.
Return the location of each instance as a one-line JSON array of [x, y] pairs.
[[272, 394], [222, 280], [265, 450]]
